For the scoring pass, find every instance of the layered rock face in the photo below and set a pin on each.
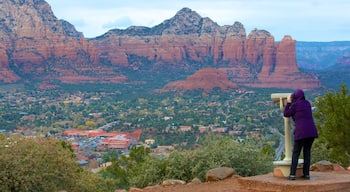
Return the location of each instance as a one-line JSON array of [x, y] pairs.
[[284, 72], [35, 44], [188, 42], [184, 39]]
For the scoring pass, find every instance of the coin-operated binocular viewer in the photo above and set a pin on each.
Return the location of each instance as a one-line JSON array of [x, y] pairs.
[[283, 166]]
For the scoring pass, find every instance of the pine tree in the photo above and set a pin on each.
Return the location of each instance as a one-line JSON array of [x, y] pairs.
[[332, 118]]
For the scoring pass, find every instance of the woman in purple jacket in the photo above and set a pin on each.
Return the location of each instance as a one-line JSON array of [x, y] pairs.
[[304, 133]]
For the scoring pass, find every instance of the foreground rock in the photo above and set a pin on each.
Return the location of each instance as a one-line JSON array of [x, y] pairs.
[[219, 174], [324, 166], [325, 177]]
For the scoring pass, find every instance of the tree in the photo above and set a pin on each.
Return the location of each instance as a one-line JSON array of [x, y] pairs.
[[90, 124], [333, 122], [125, 168], [43, 165]]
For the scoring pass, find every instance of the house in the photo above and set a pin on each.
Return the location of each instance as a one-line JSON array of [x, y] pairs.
[[162, 151], [82, 160], [184, 128], [203, 129], [219, 130], [116, 142], [149, 141], [167, 118], [101, 140]]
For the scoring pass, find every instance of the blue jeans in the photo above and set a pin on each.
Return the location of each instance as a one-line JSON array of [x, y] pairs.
[[306, 145]]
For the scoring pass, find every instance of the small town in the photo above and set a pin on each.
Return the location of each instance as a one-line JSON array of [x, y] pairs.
[[99, 129]]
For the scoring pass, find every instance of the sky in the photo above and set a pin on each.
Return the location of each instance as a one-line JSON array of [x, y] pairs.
[[303, 20]]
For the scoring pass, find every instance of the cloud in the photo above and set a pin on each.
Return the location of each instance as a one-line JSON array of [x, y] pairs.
[[120, 23], [306, 20]]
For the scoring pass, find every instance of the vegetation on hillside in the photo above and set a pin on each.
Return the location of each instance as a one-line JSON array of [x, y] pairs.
[[33, 164], [333, 122], [28, 164], [49, 165], [140, 169]]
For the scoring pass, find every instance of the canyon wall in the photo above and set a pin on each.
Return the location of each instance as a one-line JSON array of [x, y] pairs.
[[35, 45]]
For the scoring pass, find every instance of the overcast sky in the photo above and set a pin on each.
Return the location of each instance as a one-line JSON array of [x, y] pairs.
[[304, 20]]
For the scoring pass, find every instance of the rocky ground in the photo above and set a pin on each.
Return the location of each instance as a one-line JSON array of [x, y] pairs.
[[320, 182]]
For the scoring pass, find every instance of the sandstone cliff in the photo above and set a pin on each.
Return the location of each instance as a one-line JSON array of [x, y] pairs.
[[35, 45]]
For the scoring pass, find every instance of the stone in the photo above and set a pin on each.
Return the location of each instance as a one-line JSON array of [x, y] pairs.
[[151, 188], [322, 166], [277, 172], [173, 182], [196, 181], [220, 173], [337, 167], [134, 189]]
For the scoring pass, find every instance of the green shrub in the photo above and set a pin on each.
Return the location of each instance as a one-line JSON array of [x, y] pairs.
[[319, 152], [332, 118], [148, 173], [43, 165], [246, 158]]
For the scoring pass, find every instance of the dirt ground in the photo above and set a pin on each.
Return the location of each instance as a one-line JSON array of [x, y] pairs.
[[230, 184], [319, 182]]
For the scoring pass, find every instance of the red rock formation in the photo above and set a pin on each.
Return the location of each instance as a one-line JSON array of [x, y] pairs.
[[284, 72], [165, 44], [38, 46], [286, 58], [260, 48], [255, 60], [205, 79], [6, 75]]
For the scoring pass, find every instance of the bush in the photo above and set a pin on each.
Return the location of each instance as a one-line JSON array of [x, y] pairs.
[[148, 173], [43, 165], [319, 152], [245, 158]]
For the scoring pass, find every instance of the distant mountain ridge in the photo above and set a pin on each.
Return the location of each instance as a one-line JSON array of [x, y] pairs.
[[182, 23], [35, 45], [330, 61], [321, 55]]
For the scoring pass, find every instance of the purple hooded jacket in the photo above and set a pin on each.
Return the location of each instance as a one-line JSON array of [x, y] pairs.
[[300, 111]]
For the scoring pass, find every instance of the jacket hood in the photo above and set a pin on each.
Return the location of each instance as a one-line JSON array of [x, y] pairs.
[[298, 95]]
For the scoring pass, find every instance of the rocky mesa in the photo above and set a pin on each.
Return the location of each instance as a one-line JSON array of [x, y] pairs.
[[35, 45]]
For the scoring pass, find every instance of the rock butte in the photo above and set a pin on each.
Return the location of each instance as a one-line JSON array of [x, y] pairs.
[[35, 45]]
